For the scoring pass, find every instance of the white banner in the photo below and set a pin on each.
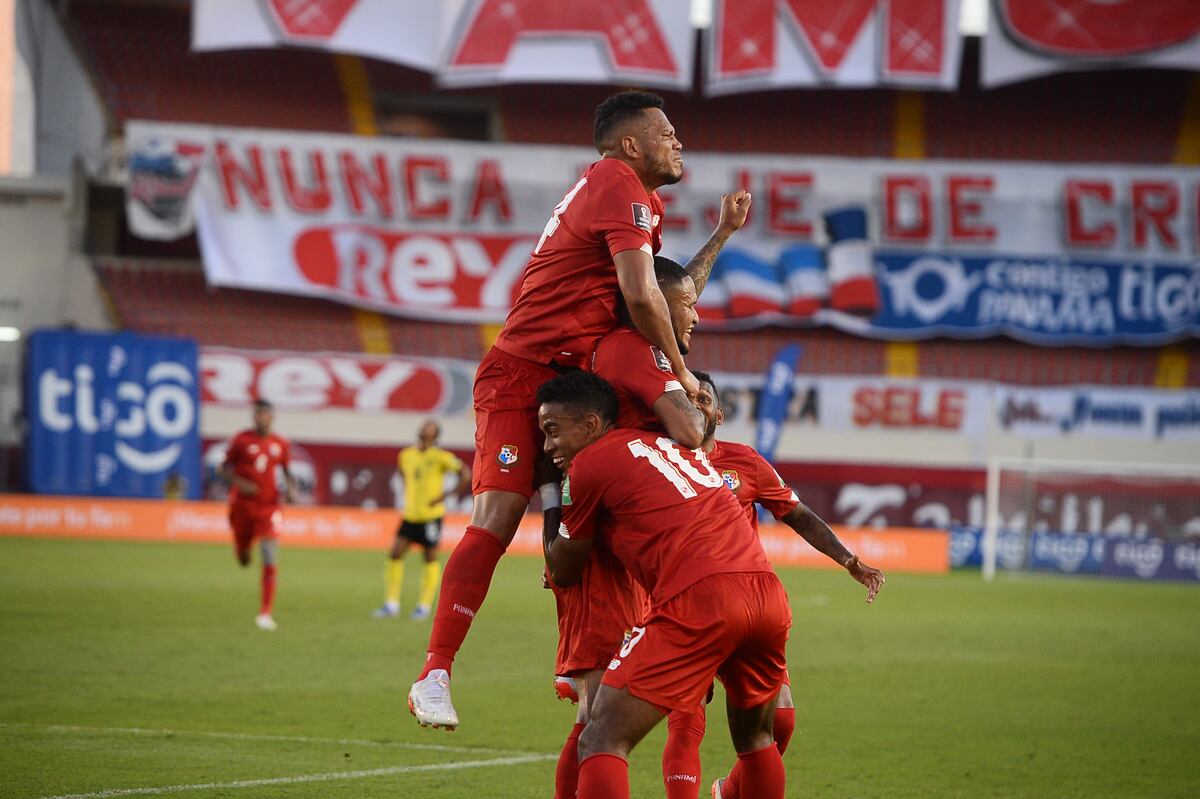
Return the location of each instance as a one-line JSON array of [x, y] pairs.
[[1098, 412], [1028, 38], [482, 42], [1086, 253], [762, 44], [862, 404]]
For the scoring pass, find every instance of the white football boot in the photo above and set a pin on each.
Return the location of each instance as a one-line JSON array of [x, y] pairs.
[[429, 701]]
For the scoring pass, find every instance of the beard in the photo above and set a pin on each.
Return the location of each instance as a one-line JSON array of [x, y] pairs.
[[710, 429], [666, 171]]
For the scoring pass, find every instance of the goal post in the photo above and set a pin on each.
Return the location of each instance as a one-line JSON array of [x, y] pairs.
[[1059, 516]]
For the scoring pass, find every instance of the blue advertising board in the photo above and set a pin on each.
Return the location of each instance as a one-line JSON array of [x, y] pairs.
[[1153, 559], [1056, 301], [111, 414]]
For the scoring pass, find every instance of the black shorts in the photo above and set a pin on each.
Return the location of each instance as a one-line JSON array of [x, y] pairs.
[[424, 533]]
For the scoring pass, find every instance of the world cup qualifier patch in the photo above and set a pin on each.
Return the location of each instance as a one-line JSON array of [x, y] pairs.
[[730, 476], [508, 455], [642, 216], [660, 360]]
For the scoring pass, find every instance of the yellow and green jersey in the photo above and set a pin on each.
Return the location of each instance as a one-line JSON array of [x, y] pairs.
[[424, 473]]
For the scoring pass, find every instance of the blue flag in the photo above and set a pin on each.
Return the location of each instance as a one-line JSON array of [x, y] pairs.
[[777, 393]]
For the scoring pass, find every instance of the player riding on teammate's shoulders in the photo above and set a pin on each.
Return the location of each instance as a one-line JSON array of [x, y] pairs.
[[598, 246]]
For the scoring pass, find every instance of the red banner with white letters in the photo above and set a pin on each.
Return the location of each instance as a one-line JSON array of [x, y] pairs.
[[763, 44], [1029, 38], [314, 381], [480, 42]]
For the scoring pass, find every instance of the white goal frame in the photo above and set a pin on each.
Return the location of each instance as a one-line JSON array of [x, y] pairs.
[[991, 529]]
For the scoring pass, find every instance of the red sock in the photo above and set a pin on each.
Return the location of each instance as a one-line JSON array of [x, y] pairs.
[[465, 583], [785, 725], [681, 755], [604, 776], [758, 774], [268, 589], [566, 776]]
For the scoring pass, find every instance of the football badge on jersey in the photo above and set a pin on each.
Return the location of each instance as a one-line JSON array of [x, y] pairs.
[[731, 478], [660, 359], [642, 216], [508, 455]]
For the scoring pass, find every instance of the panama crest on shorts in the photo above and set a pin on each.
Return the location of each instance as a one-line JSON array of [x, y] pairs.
[[731, 478], [508, 455]]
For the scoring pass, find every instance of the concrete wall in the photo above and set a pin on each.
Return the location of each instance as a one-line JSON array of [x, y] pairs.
[[42, 284], [69, 120]]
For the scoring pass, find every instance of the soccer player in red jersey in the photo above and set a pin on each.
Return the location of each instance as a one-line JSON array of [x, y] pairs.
[[753, 480], [250, 464], [598, 244], [717, 608], [594, 614]]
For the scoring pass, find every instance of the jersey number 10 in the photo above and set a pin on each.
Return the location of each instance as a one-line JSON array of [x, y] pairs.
[[668, 460]]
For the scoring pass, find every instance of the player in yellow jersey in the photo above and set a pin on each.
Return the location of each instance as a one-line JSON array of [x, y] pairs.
[[424, 467]]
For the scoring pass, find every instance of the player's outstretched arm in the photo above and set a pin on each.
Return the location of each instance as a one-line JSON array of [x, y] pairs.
[[649, 311], [816, 532], [682, 421], [734, 209]]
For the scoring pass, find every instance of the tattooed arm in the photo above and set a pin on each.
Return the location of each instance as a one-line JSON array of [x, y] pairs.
[[734, 209], [816, 532]]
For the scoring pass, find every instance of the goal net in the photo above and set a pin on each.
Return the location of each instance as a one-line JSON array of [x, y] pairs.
[[1075, 516]]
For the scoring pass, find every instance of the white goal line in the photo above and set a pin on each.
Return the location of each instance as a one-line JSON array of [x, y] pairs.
[[241, 736], [306, 778]]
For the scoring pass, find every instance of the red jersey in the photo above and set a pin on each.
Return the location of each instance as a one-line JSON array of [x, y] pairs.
[[752, 480], [639, 372], [255, 458], [673, 520], [568, 296]]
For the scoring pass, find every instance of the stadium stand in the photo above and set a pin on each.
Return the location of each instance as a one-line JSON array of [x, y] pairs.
[[139, 55], [171, 298]]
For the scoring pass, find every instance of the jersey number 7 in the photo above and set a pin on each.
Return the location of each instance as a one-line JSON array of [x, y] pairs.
[[559, 210]]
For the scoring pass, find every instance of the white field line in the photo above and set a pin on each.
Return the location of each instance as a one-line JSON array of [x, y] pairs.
[[305, 778], [239, 736]]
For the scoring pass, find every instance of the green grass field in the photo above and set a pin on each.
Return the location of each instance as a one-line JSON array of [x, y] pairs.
[[133, 667]]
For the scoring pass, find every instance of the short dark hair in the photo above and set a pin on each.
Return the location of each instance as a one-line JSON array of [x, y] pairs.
[[705, 377], [584, 391], [264, 405], [668, 272], [619, 109]]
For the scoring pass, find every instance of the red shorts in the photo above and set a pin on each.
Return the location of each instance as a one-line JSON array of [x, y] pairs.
[[594, 615], [508, 441], [733, 626], [250, 521]]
